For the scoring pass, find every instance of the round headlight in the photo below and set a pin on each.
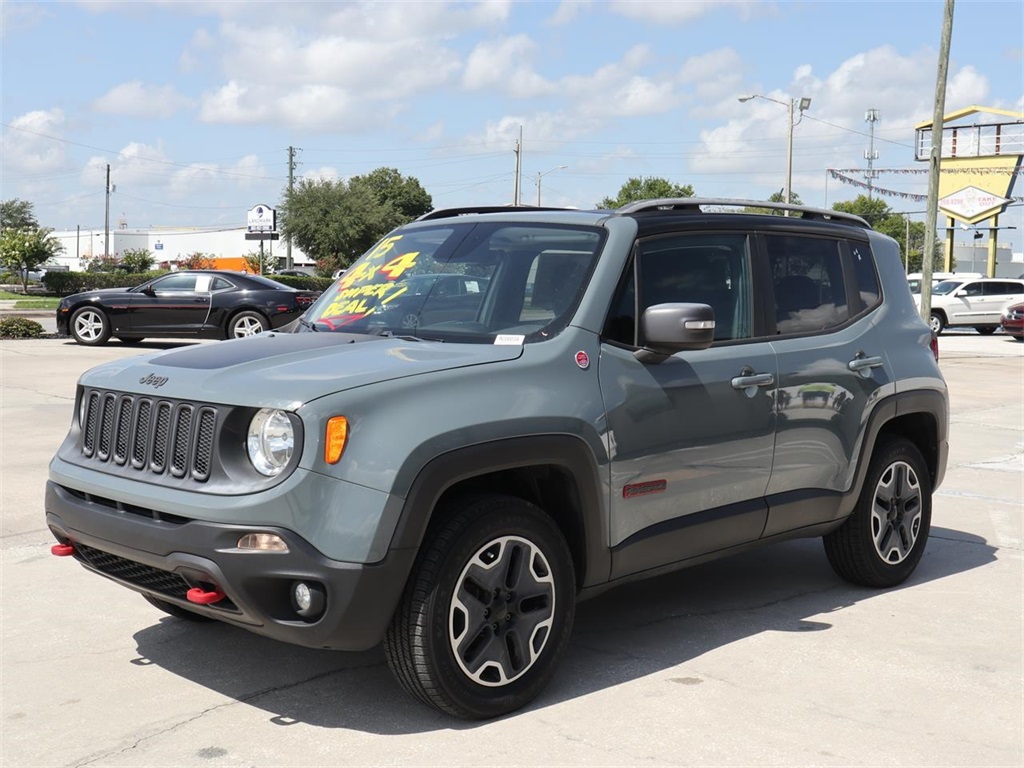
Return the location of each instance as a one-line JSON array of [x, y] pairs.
[[270, 442]]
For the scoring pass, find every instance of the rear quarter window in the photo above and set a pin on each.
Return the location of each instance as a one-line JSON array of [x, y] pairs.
[[867, 278]]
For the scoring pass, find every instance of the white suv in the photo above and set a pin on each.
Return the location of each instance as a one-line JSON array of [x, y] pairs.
[[978, 303]]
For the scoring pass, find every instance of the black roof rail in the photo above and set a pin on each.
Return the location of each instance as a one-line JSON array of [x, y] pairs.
[[445, 213], [697, 204]]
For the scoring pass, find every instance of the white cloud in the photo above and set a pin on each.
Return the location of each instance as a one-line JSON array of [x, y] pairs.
[[325, 172], [568, 11], [33, 144], [234, 102], [137, 99], [503, 65], [677, 11]]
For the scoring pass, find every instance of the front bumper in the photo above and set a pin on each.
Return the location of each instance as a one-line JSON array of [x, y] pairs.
[[165, 558]]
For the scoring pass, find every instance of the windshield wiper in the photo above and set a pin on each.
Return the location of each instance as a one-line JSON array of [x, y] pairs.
[[306, 324]]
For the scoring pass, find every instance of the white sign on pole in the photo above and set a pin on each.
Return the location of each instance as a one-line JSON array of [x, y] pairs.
[[261, 218]]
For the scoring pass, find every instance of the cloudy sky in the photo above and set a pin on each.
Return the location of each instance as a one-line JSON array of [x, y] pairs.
[[194, 105]]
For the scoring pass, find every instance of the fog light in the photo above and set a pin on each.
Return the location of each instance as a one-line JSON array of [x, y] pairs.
[[308, 599], [262, 542]]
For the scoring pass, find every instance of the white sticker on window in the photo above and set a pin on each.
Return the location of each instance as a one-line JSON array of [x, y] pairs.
[[203, 283], [509, 339]]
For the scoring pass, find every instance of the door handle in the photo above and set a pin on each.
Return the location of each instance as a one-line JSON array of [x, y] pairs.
[[753, 380], [862, 365]]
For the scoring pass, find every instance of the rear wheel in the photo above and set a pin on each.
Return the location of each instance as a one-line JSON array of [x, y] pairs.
[[174, 610], [90, 326], [487, 612], [881, 543], [247, 324], [937, 323], [985, 330]]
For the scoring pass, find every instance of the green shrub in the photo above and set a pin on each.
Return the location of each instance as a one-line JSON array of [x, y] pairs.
[[303, 283], [19, 328], [66, 283]]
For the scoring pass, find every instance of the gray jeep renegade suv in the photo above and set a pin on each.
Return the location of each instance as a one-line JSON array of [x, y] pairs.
[[585, 398]]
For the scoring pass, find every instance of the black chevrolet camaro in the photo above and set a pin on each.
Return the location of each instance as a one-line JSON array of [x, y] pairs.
[[202, 304]]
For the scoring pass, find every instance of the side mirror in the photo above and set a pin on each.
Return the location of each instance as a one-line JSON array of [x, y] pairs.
[[670, 328], [960, 293]]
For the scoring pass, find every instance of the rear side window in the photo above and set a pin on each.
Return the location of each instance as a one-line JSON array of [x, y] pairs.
[[1003, 288], [867, 278], [807, 277]]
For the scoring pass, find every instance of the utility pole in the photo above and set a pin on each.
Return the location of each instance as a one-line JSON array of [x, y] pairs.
[[872, 116], [934, 162], [291, 186], [106, 218], [519, 165]]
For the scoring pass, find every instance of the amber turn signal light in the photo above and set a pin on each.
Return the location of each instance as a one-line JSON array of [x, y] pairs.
[[336, 437]]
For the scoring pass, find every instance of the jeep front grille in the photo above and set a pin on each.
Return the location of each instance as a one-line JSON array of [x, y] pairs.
[[146, 434]]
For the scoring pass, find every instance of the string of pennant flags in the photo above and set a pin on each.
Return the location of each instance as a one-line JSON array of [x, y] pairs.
[[842, 176]]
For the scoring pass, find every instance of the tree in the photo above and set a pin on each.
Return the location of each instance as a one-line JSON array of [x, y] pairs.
[[650, 188], [881, 217], [137, 260], [335, 222], [25, 249], [198, 260], [17, 214]]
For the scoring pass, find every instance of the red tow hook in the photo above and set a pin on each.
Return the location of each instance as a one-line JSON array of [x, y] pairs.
[[62, 550], [200, 596]]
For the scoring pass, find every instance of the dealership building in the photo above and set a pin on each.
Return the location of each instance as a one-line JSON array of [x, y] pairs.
[[169, 245]]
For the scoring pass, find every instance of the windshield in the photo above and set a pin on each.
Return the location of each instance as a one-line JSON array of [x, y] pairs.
[[947, 286], [485, 282]]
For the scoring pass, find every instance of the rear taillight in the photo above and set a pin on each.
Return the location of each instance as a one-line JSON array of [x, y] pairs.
[[934, 344]]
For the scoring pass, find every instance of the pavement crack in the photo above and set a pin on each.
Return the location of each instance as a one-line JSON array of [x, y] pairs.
[[203, 713]]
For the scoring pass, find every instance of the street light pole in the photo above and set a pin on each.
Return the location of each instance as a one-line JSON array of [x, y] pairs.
[[542, 175], [789, 156], [791, 105]]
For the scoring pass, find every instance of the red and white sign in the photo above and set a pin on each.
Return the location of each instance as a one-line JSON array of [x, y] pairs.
[[971, 203]]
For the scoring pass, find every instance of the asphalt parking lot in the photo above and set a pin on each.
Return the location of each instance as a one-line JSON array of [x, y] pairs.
[[763, 659]]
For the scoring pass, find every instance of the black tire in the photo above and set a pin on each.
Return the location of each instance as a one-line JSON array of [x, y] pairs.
[[175, 610], [937, 322], [479, 631], [89, 326], [246, 323], [881, 543], [985, 330], [129, 339]]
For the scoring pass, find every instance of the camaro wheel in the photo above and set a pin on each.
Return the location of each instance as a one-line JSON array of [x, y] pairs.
[[487, 612], [881, 543], [90, 326], [936, 323], [176, 611], [247, 324], [411, 320]]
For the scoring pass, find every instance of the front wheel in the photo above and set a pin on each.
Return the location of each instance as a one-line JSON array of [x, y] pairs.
[[487, 612], [937, 323], [247, 324], [882, 541], [90, 326]]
